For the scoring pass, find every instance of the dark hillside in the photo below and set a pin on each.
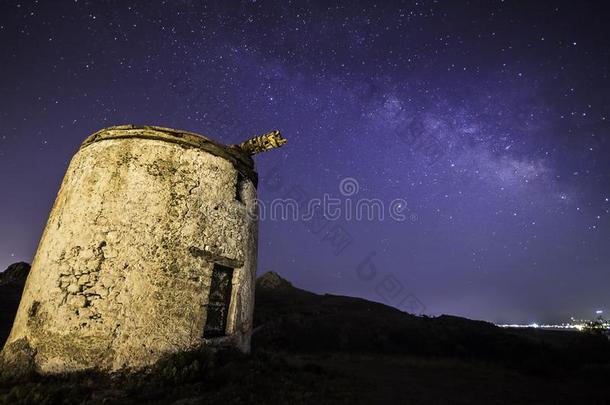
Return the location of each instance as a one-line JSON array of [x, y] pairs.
[[288, 318], [12, 281], [327, 349]]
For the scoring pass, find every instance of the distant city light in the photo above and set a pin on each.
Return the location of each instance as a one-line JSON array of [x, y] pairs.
[[577, 325], [574, 324]]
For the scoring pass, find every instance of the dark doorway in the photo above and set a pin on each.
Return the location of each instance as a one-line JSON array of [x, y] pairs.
[[218, 303]]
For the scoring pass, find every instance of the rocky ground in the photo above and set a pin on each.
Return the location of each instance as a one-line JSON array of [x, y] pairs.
[[310, 348]]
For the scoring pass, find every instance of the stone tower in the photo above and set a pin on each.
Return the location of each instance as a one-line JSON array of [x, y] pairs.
[[150, 248]]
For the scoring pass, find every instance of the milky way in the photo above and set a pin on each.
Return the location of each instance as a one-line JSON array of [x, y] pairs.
[[488, 118]]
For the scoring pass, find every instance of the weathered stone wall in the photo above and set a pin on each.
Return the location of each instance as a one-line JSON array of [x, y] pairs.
[[122, 272]]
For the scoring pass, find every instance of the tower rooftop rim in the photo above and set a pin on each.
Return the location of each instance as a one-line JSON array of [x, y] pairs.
[[241, 160]]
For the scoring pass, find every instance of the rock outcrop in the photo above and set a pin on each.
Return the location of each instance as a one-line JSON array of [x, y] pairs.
[[12, 281], [16, 273]]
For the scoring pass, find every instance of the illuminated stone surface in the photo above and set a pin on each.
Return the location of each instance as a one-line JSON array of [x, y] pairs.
[[123, 271]]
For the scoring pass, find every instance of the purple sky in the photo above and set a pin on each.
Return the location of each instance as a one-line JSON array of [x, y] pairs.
[[490, 119]]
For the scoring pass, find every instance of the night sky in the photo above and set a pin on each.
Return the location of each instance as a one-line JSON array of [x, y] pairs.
[[490, 119]]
